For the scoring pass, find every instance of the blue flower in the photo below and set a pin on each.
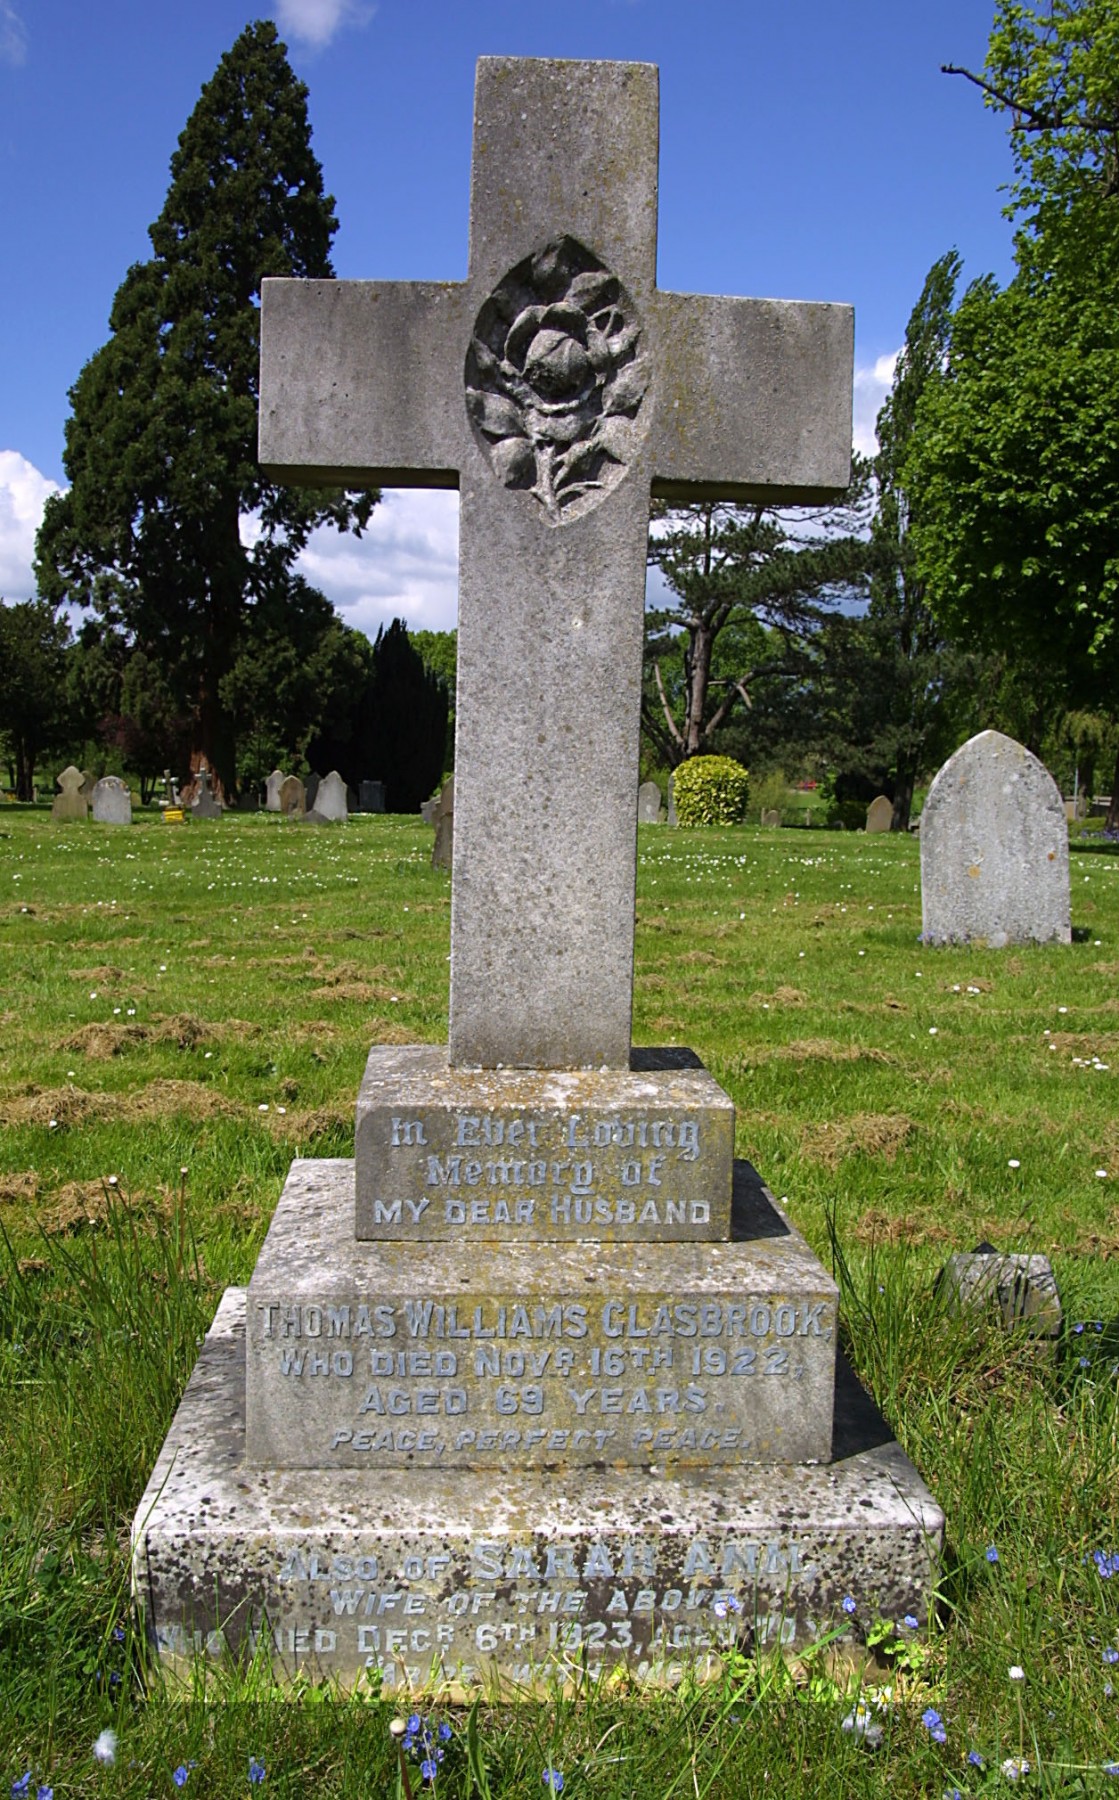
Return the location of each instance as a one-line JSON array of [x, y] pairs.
[[1111, 1768], [553, 1778], [976, 1760], [445, 1731], [179, 1776], [911, 1621], [992, 1553], [1078, 1329], [1108, 1565], [118, 1634], [20, 1787], [429, 1769], [848, 1604], [1111, 1655], [256, 1771], [42, 1792], [1082, 1362], [930, 1717], [414, 1723]]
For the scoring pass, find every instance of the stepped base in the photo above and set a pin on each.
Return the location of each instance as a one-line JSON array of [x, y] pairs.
[[456, 1580]]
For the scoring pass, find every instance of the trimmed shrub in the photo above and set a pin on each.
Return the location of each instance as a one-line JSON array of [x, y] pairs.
[[711, 790]]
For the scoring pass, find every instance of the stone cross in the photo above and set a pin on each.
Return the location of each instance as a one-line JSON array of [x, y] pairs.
[[558, 389]]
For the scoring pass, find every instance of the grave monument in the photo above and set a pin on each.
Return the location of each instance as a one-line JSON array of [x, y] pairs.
[[994, 849], [70, 802], [111, 803], [542, 1381], [880, 814]]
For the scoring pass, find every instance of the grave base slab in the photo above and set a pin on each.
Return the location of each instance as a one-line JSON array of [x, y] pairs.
[[512, 1582]]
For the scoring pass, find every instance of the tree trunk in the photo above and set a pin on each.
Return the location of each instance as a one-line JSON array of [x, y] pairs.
[[904, 783], [699, 680], [25, 771]]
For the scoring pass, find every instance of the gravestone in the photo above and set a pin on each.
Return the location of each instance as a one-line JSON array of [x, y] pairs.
[[88, 784], [994, 849], [293, 797], [443, 818], [112, 802], [331, 805], [371, 797], [311, 788], [205, 805], [880, 814], [771, 816], [272, 790], [1019, 1287], [542, 1381], [70, 802], [672, 819], [649, 810]]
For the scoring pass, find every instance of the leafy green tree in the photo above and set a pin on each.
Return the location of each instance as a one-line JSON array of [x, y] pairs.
[[161, 444], [1013, 464], [34, 708], [748, 577]]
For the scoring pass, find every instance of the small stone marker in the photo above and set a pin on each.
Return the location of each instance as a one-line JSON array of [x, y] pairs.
[[371, 797], [112, 802], [293, 797], [672, 819], [505, 1369], [880, 814], [771, 816], [443, 818], [310, 789], [331, 806], [994, 849], [272, 789], [88, 784], [70, 804], [1022, 1288], [649, 810], [204, 804]]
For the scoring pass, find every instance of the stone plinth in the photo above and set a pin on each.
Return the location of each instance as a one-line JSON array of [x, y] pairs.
[[517, 1155], [450, 1582], [375, 1356]]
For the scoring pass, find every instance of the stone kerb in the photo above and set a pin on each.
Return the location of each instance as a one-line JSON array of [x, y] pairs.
[[994, 849]]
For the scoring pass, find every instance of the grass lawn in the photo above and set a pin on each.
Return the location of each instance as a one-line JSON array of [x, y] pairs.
[[184, 1009]]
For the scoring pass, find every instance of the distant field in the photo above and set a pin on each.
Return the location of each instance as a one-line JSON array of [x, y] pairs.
[[184, 1009]]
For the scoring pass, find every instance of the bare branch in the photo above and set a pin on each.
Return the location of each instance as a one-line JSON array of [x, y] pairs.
[[1033, 118], [673, 728]]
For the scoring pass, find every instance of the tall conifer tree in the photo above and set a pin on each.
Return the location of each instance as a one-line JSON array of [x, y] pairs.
[[161, 444]]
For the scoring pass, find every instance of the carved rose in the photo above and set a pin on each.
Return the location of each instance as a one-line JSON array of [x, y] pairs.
[[555, 378]]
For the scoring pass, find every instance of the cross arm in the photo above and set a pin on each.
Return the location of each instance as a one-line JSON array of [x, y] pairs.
[[754, 399], [361, 382]]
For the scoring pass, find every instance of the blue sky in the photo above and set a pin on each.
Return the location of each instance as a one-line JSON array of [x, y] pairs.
[[810, 149]]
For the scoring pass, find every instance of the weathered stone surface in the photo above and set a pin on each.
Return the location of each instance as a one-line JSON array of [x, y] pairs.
[[518, 1155], [994, 849], [112, 802], [293, 797], [880, 814], [649, 810], [70, 803], [672, 819], [371, 797], [330, 798], [371, 1355], [1021, 1289], [443, 818], [205, 804], [450, 1581], [555, 442], [771, 816], [272, 788]]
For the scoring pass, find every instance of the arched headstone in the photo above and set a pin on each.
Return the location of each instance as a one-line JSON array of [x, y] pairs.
[[994, 849], [272, 788], [880, 814], [112, 802]]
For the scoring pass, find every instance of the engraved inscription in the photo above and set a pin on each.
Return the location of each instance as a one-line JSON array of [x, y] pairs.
[[555, 379], [635, 1380]]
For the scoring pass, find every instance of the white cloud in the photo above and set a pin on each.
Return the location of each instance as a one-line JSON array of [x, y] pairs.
[[316, 21], [23, 494], [404, 566], [13, 35], [871, 387]]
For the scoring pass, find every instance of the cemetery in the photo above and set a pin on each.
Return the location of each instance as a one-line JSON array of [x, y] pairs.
[[523, 1264]]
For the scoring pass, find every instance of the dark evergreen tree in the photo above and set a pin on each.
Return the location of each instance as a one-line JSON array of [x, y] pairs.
[[161, 444], [34, 705], [395, 727]]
